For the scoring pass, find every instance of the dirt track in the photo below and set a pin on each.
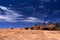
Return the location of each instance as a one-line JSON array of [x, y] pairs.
[[18, 34]]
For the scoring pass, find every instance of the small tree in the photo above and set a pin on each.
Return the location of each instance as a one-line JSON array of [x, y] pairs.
[[51, 26], [44, 23], [57, 25], [12, 28], [36, 26], [26, 28]]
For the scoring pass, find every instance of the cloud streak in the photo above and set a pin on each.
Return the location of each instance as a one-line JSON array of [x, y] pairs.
[[9, 15], [13, 16], [32, 19], [56, 12]]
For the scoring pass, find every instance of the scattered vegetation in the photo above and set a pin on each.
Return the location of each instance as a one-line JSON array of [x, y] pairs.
[[26, 28], [12, 28], [50, 26]]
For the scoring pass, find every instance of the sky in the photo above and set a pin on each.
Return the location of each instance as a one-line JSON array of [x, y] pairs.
[[22, 13]]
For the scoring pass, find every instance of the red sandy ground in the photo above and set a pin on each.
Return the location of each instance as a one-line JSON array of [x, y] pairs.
[[18, 34]]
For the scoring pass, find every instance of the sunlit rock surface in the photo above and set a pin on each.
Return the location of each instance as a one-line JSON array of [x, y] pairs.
[[22, 34]]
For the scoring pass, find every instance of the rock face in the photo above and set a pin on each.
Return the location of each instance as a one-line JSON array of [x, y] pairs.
[[19, 34]]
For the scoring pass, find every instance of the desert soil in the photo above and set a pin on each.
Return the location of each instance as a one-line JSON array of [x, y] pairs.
[[18, 34]]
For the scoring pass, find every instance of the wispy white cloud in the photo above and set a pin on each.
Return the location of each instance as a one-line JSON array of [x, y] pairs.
[[9, 15], [43, 15], [13, 16], [41, 6], [57, 20], [28, 8], [8, 11], [47, 21], [32, 19], [56, 12]]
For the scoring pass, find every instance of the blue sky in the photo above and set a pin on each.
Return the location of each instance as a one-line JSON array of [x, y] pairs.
[[21, 13]]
